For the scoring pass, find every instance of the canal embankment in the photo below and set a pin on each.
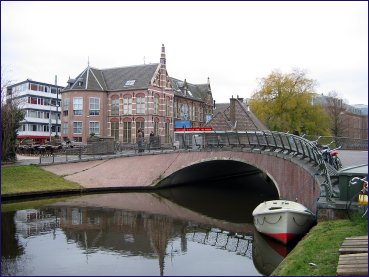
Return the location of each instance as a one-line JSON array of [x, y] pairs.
[[316, 254]]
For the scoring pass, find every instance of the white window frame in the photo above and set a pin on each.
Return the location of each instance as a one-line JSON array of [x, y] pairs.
[[94, 129], [127, 105], [76, 128], [94, 106], [140, 105], [77, 105]]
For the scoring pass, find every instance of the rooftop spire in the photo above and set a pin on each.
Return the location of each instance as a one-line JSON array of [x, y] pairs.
[[162, 56]]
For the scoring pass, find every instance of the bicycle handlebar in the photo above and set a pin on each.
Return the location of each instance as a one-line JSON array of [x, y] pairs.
[[354, 180]]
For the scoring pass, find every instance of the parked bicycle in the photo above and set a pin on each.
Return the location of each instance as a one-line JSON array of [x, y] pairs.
[[358, 204], [331, 155]]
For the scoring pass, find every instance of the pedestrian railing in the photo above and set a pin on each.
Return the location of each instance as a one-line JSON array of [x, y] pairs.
[[346, 143]]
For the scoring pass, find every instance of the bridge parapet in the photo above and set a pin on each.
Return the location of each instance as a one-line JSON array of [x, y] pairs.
[[346, 143]]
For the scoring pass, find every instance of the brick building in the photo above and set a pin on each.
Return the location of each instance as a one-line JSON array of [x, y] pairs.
[[349, 121], [118, 101]]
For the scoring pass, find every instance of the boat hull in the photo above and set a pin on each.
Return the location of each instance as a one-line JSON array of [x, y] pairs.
[[283, 220]]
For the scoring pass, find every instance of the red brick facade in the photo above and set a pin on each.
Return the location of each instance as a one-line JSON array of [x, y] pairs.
[[129, 98]]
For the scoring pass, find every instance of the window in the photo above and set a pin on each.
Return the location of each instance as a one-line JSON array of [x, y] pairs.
[[95, 106], [140, 104], [167, 103], [130, 83], [65, 128], [65, 106], [166, 132], [127, 105], [77, 105], [33, 87], [140, 125], [156, 104], [115, 106], [95, 127], [127, 132], [115, 130], [77, 127], [156, 128], [175, 109]]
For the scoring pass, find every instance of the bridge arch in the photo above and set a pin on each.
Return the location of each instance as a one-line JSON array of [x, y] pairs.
[[294, 179], [218, 169]]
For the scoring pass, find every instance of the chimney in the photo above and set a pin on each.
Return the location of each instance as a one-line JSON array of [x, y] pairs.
[[56, 80], [232, 112]]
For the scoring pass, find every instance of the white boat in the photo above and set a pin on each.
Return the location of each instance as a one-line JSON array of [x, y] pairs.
[[282, 220]]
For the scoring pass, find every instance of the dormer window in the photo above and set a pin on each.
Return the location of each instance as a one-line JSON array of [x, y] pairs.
[[130, 83], [80, 83]]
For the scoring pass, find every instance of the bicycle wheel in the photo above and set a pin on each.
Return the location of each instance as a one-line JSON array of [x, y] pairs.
[[354, 209], [339, 163]]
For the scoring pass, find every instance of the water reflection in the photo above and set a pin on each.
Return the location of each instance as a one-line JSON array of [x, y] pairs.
[[267, 253], [132, 234]]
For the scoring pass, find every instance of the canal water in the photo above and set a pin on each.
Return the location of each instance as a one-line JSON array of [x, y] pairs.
[[189, 230]]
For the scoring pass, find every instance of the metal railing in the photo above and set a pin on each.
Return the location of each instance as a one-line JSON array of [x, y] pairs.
[[346, 143]]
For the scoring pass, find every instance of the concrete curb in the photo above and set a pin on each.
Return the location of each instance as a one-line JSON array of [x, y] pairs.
[[36, 194]]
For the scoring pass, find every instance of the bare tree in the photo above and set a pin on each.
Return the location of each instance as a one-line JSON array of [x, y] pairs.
[[335, 107], [11, 115]]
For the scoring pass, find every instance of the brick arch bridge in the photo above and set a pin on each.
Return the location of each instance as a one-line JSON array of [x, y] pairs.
[[292, 178], [291, 164]]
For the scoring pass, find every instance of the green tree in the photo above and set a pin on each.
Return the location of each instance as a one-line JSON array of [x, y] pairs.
[[11, 116], [284, 103]]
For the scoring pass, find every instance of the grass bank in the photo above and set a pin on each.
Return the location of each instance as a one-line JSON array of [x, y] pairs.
[[31, 178], [317, 254]]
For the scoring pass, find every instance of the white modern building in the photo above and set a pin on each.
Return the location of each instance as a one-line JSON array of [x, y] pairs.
[[40, 102]]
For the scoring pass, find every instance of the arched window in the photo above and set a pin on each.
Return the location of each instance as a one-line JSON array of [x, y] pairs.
[[127, 104], [156, 126], [114, 128], [156, 104], [140, 124], [140, 104], [115, 105], [127, 130]]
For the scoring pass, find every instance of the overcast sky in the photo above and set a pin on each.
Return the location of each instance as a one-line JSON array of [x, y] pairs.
[[233, 43]]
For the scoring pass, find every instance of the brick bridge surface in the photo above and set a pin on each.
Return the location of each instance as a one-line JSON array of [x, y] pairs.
[[294, 179]]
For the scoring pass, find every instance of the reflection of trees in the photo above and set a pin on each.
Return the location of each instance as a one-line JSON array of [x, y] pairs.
[[160, 229], [11, 250], [92, 229]]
